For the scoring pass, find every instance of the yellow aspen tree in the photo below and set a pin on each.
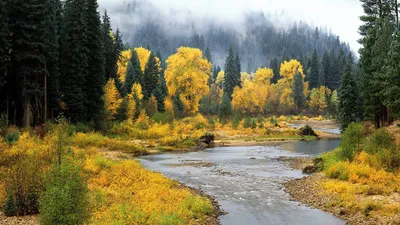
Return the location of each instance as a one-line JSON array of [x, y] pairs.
[[263, 76], [112, 99], [143, 55], [122, 64], [187, 73]]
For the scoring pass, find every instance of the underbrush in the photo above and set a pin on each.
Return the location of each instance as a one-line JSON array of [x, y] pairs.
[[363, 174], [62, 170]]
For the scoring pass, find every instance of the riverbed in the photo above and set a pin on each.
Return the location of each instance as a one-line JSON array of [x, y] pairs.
[[247, 181]]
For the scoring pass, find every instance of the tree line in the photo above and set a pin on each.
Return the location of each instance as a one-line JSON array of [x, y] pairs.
[[55, 56]]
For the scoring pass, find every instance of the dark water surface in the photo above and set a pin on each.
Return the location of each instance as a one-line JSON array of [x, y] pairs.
[[247, 181]]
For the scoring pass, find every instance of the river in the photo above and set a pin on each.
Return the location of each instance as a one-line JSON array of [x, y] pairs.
[[247, 181]]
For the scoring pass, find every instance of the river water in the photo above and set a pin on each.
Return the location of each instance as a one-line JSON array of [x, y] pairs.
[[247, 181]]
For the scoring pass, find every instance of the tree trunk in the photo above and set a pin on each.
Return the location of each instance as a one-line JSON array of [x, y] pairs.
[[27, 112]]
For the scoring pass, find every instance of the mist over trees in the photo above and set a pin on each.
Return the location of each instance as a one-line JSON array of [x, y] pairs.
[[257, 38]]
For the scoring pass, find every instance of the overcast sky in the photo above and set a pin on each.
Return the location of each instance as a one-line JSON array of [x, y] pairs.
[[340, 16]]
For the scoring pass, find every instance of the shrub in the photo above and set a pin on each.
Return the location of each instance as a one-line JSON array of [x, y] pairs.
[[378, 141], [351, 141], [12, 136], [236, 122], [65, 198], [9, 206], [250, 123], [163, 117]]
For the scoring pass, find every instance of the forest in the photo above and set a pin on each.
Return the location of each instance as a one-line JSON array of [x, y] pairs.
[[81, 100]]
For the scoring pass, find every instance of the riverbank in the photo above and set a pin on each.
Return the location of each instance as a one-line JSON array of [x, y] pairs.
[[310, 192], [359, 182]]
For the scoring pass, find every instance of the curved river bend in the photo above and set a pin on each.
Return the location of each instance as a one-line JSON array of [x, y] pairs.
[[247, 181]]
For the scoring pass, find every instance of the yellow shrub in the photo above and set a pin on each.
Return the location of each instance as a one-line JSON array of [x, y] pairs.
[[128, 194]]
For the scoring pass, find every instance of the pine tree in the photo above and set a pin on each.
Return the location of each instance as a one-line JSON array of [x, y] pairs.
[[151, 77], [298, 91], [109, 48], [3, 44], [314, 71], [133, 74], [238, 67], [274, 65], [348, 99], [53, 52], [74, 60], [161, 93], [28, 60], [225, 110], [230, 79], [207, 55], [4, 33], [326, 68], [392, 77], [333, 80], [95, 78]]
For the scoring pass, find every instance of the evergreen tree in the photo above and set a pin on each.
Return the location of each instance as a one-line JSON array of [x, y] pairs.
[[298, 91], [53, 48], [207, 55], [161, 93], [95, 79], [217, 70], [392, 77], [151, 77], [133, 74], [179, 108], [225, 110], [109, 48], [74, 60], [118, 48], [4, 33], [274, 65], [348, 99], [326, 68], [28, 57], [314, 71], [333, 80], [230, 79], [238, 67]]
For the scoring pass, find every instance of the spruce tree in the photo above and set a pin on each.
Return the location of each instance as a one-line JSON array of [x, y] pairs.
[[3, 45], [207, 55], [109, 48], [4, 33], [348, 99], [298, 91], [95, 78], [314, 71], [326, 68], [151, 77], [230, 79], [161, 93], [274, 65], [238, 67], [392, 77], [333, 80], [53, 48], [27, 24], [225, 110], [74, 60], [133, 74]]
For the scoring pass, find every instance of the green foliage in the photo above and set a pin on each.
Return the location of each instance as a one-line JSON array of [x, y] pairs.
[[378, 141], [65, 199], [250, 122], [95, 77], [338, 172], [179, 108], [351, 141], [348, 99], [9, 206], [163, 117], [275, 68], [225, 110], [231, 78], [236, 121], [298, 91], [133, 74], [151, 77], [314, 71], [12, 136]]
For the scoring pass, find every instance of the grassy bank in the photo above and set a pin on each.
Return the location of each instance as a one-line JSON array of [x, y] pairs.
[[359, 181]]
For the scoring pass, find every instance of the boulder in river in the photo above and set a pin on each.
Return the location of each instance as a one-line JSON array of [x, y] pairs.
[[307, 131]]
